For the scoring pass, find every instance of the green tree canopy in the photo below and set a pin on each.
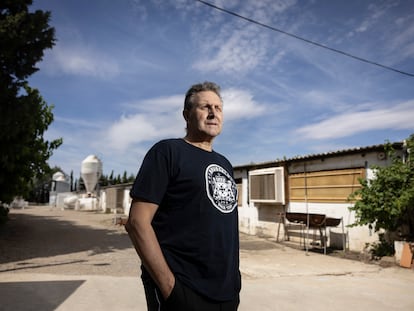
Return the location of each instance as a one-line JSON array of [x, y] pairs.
[[387, 201], [25, 116]]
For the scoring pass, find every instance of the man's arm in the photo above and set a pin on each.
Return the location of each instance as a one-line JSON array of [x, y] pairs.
[[147, 246]]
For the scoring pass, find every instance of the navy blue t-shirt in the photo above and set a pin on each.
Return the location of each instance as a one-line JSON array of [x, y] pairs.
[[197, 220]]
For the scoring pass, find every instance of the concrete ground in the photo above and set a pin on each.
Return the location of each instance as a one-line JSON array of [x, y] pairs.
[[72, 260]]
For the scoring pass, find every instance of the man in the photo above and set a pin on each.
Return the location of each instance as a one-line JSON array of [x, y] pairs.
[[183, 219]]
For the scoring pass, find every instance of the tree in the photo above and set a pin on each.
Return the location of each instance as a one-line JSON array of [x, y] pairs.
[[103, 180], [80, 185], [76, 185], [124, 178], [72, 188], [25, 116], [131, 178], [387, 201], [40, 187], [118, 180]]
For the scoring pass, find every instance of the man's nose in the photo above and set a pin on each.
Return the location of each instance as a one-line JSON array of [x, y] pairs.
[[211, 113]]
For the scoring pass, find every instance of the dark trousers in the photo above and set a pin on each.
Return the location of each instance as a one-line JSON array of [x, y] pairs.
[[183, 298]]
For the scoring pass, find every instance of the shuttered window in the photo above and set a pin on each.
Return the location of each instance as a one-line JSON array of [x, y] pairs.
[[267, 185], [262, 187]]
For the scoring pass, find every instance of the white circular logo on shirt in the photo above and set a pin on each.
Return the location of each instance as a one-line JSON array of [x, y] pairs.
[[221, 188]]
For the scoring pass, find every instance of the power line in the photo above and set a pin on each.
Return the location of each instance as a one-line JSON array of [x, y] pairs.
[[306, 40]]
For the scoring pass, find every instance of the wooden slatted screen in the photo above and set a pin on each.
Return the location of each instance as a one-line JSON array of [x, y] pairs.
[[333, 186]]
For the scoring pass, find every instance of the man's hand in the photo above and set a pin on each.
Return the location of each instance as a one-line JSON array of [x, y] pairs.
[[143, 237]]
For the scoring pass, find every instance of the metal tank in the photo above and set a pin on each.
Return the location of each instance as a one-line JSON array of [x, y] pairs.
[[59, 176], [91, 171]]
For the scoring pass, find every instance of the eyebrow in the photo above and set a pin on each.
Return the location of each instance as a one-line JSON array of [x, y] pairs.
[[209, 103]]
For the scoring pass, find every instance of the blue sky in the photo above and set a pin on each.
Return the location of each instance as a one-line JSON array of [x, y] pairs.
[[119, 70]]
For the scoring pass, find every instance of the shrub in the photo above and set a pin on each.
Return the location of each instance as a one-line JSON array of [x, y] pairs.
[[4, 212]]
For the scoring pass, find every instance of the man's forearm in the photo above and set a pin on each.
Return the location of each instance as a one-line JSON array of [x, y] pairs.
[[149, 250]]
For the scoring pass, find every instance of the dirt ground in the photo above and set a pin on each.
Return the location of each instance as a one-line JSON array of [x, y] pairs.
[[76, 260], [42, 239]]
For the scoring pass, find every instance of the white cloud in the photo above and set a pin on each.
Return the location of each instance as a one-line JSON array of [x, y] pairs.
[[129, 130], [239, 104], [242, 51], [162, 118], [139, 9], [82, 61], [157, 118], [314, 87], [403, 41], [139, 128], [265, 11], [157, 105], [323, 100], [400, 116], [376, 11], [79, 137], [239, 47], [78, 123]]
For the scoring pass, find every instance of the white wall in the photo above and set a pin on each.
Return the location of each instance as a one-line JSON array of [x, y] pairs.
[[126, 203], [357, 237], [248, 216]]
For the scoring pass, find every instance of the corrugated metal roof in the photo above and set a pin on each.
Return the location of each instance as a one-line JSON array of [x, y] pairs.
[[380, 147]]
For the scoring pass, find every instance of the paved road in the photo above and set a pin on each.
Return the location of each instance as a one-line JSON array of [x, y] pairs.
[[71, 260]]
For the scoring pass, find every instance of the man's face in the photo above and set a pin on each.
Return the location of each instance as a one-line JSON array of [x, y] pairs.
[[205, 118]]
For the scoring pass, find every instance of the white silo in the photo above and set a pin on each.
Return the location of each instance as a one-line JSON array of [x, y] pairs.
[[60, 187], [91, 171], [59, 176]]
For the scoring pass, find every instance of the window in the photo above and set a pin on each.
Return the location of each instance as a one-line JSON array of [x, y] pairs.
[[267, 185]]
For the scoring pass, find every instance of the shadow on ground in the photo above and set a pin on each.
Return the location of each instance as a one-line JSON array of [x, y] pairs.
[[27, 236], [44, 295]]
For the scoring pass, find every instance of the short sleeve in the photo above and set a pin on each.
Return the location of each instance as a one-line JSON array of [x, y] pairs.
[[153, 176]]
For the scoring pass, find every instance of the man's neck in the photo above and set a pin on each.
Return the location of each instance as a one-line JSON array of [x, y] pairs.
[[199, 143]]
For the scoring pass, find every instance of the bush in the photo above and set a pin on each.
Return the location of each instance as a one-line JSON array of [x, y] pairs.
[[4, 212], [387, 201], [382, 248]]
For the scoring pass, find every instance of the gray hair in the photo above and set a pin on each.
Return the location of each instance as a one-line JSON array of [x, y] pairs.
[[200, 87]]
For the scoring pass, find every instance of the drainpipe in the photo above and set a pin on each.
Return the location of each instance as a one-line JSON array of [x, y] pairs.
[[307, 209]]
